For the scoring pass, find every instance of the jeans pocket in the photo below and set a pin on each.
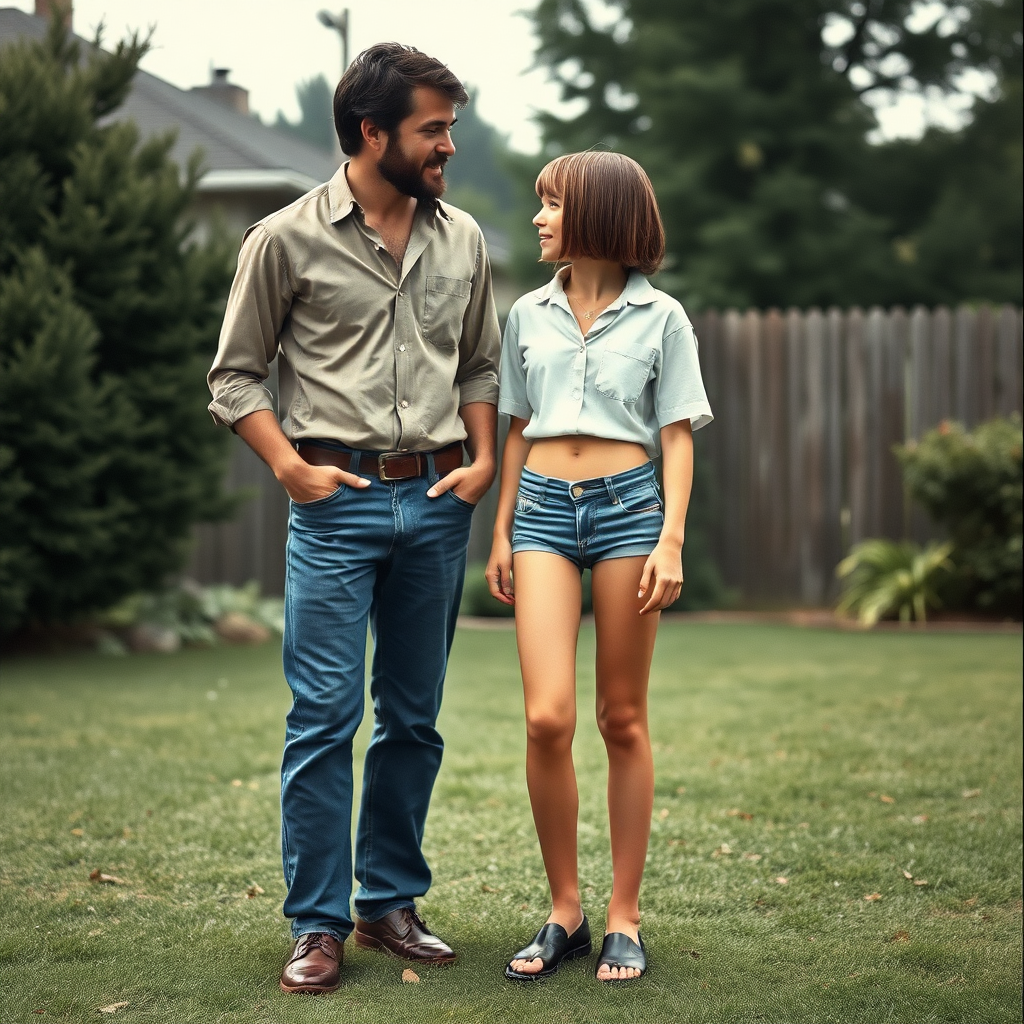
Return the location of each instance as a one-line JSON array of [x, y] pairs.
[[641, 500], [316, 502], [526, 503], [461, 502]]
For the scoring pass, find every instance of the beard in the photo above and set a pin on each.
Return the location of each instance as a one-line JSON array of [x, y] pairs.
[[406, 176]]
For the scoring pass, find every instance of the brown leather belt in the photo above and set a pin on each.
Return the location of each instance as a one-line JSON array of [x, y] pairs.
[[390, 465]]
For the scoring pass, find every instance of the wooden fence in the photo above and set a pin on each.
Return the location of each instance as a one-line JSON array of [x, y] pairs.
[[808, 406]]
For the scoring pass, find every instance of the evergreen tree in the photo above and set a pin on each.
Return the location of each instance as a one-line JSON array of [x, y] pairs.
[[754, 131], [108, 321], [316, 119]]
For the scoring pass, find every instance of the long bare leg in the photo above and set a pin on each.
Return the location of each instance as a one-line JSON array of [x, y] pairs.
[[625, 646], [547, 627]]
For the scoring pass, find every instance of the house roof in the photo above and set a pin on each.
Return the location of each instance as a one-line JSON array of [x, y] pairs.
[[239, 152]]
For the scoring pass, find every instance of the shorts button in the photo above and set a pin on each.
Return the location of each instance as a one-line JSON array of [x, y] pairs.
[[577, 491]]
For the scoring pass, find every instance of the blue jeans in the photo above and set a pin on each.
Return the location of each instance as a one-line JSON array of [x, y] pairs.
[[394, 558]]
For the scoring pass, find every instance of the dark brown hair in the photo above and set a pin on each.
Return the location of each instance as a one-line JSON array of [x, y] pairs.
[[609, 210], [378, 85]]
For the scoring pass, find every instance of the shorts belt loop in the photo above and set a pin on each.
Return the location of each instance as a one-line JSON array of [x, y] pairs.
[[610, 488], [432, 474], [353, 466]]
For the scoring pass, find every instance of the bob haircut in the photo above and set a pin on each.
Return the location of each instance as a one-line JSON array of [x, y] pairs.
[[378, 85], [609, 210]]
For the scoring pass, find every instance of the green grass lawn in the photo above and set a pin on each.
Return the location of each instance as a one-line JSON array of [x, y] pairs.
[[835, 761]]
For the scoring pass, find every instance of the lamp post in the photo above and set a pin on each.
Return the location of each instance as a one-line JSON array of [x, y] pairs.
[[338, 22]]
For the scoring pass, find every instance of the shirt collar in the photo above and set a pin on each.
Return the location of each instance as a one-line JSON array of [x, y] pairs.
[[638, 291], [342, 202]]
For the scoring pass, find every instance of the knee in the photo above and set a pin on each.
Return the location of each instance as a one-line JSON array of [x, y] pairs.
[[622, 725], [550, 729]]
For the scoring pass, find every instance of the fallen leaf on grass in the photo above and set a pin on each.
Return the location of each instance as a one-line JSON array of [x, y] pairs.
[[98, 876], [487, 888], [919, 819], [677, 842], [78, 831], [970, 794], [112, 1008], [887, 799], [680, 790], [236, 782], [901, 936], [752, 856], [971, 901], [873, 897], [410, 977], [907, 875], [725, 850], [782, 881], [737, 813], [920, 881], [663, 813], [253, 891]]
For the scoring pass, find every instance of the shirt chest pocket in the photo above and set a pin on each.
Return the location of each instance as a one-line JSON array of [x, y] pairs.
[[623, 371], [443, 310]]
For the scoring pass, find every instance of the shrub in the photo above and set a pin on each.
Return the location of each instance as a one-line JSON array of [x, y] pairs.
[[969, 482], [108, 320], [886, 579]]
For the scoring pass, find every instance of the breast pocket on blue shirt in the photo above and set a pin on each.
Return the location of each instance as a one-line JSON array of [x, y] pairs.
[[623, 371], [443, 310]]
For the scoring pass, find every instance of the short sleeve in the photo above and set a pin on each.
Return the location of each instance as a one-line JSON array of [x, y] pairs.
[[680, 394], [512, 397]]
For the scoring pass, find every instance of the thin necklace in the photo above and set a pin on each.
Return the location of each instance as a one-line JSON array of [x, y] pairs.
[[588, 314]]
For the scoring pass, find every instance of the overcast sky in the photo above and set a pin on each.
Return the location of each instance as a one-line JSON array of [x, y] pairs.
[[270, 45]]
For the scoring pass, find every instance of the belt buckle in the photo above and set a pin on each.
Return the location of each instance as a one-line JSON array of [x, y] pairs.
[[382, 465]]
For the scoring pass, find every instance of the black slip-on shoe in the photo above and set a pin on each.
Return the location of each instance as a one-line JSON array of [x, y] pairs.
[[551, 945]]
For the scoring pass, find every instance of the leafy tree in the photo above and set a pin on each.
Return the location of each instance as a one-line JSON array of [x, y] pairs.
[[108, 316], [477, 175], [316, 119], [752, 118]]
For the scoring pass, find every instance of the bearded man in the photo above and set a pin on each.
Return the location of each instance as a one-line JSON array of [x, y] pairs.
[[375, 298]]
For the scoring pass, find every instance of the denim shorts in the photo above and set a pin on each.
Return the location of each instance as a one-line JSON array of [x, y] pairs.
[[588, 521]]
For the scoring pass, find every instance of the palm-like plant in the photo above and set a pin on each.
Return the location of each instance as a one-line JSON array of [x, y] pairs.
[[883, 577]]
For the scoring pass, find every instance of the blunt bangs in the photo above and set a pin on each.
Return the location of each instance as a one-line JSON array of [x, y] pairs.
[[609, 209]]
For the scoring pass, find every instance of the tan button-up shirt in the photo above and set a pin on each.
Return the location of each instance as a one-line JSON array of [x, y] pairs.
[[372, 355]]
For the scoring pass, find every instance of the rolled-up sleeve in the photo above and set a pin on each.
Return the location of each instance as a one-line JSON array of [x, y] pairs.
[[480, 345], [259, 301]]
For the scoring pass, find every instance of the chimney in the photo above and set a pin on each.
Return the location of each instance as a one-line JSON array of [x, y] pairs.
[[46, 8], [226, 93]]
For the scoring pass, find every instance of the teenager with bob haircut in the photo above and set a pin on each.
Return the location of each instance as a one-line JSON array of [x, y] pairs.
[[599, 375]]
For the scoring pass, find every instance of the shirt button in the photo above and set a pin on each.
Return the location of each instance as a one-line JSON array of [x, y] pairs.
[[405, 405], [575, 394], [401, 348]]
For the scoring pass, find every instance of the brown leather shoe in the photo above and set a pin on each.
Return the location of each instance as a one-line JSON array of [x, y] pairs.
[[314, 966], [402, 933]]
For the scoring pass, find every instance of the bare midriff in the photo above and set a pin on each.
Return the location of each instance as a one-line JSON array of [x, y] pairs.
[[580, 457]]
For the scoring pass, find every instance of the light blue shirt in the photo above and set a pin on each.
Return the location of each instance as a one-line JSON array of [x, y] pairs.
[[635, 372]]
